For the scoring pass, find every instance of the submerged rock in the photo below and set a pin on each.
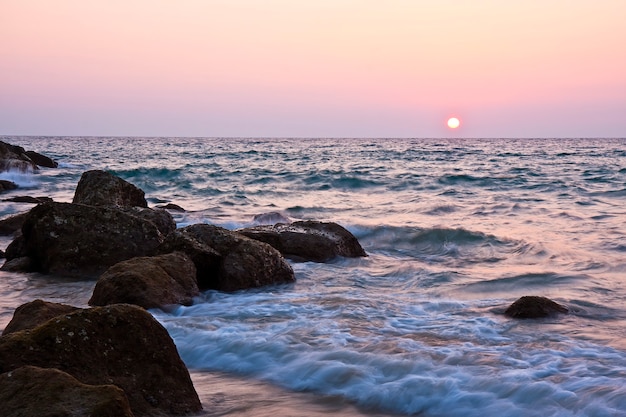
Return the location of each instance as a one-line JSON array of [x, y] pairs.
[[30, 315], [529, 307], [228, 261], [35, 391], [172, 207], [28, 199], [100, 188], [148, 282], [118, 344], [270, 218], [308, 240], [82, 241], [7, 185]]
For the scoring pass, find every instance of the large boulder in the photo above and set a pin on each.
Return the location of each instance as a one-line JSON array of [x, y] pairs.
[[82, 241], [118, 344], [228, 261], [530, 307], [148, 282], [30, 315], [161, 218], [14, 158], [308, 240], [33, 391], [101, 188]]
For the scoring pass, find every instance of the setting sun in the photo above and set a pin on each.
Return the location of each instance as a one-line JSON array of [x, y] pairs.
[[453, 123]]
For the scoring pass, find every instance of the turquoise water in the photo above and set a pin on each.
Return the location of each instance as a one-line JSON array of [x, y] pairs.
[[455, 231]]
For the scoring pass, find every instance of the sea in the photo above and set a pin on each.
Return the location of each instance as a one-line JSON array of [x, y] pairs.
[[455, 231]]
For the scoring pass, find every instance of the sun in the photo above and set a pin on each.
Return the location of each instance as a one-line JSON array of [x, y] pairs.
[[453, 123]]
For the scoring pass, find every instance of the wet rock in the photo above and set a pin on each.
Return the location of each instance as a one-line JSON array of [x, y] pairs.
[[23, 264], [28, 199], [35, 391], [41, 160], [270, 218], [228, 261], [7, 185], [172, 207], [529, 307], [31, 315], [308, 240], [14, 158], [148, 282], [100, 188], [118, 344], [82, 241], [12, 224]]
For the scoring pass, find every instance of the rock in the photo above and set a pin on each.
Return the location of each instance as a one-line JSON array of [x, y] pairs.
[[7, 185], [41, 160], [148, 282], [14, 158], [118, 344], [172, 207], [529, 307], [228, 261], [270, 218], [162, 219], [12, 224], [31, 315], [82, 241], [100, 188], [28, 199], [34, 391], [23, 264], [308, 240]]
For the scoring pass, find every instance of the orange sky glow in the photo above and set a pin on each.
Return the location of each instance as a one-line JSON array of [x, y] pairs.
[[359, 68]]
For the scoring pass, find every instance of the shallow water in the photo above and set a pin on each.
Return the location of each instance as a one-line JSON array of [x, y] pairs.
[[455, 231]]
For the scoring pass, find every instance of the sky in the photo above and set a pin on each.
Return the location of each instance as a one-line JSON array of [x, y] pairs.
[[323, 68]]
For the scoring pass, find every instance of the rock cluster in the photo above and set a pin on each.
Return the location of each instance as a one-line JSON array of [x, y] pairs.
[[115, 359]]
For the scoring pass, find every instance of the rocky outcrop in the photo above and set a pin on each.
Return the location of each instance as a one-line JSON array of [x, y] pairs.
[[162, 219], [529, 307], [228, 261], [14, 158], [28, 199], [100, 188], [148, 282], [308, 240], [82, 241], [120, 344], [30, 315], [34, 391], [41, 160]]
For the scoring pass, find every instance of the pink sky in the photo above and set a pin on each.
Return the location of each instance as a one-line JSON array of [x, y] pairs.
[[358, 68]]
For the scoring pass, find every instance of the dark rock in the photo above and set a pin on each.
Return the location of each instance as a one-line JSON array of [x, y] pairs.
[[31, 315], [82, 241], [12, 224], [529, 307], [118, 344], [100, 188], [7, 185], [270, 218], [41, 160], [162, 219], [308, 240], [2, 255], [13, 158], [148, 282], [172, 207], [28, 199], [23, 264], [228, 261], [34, 391]]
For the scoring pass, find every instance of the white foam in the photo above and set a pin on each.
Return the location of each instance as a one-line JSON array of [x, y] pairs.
[[22, 179]]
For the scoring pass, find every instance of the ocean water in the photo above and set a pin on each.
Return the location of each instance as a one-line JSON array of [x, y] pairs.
[[455, 229]]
